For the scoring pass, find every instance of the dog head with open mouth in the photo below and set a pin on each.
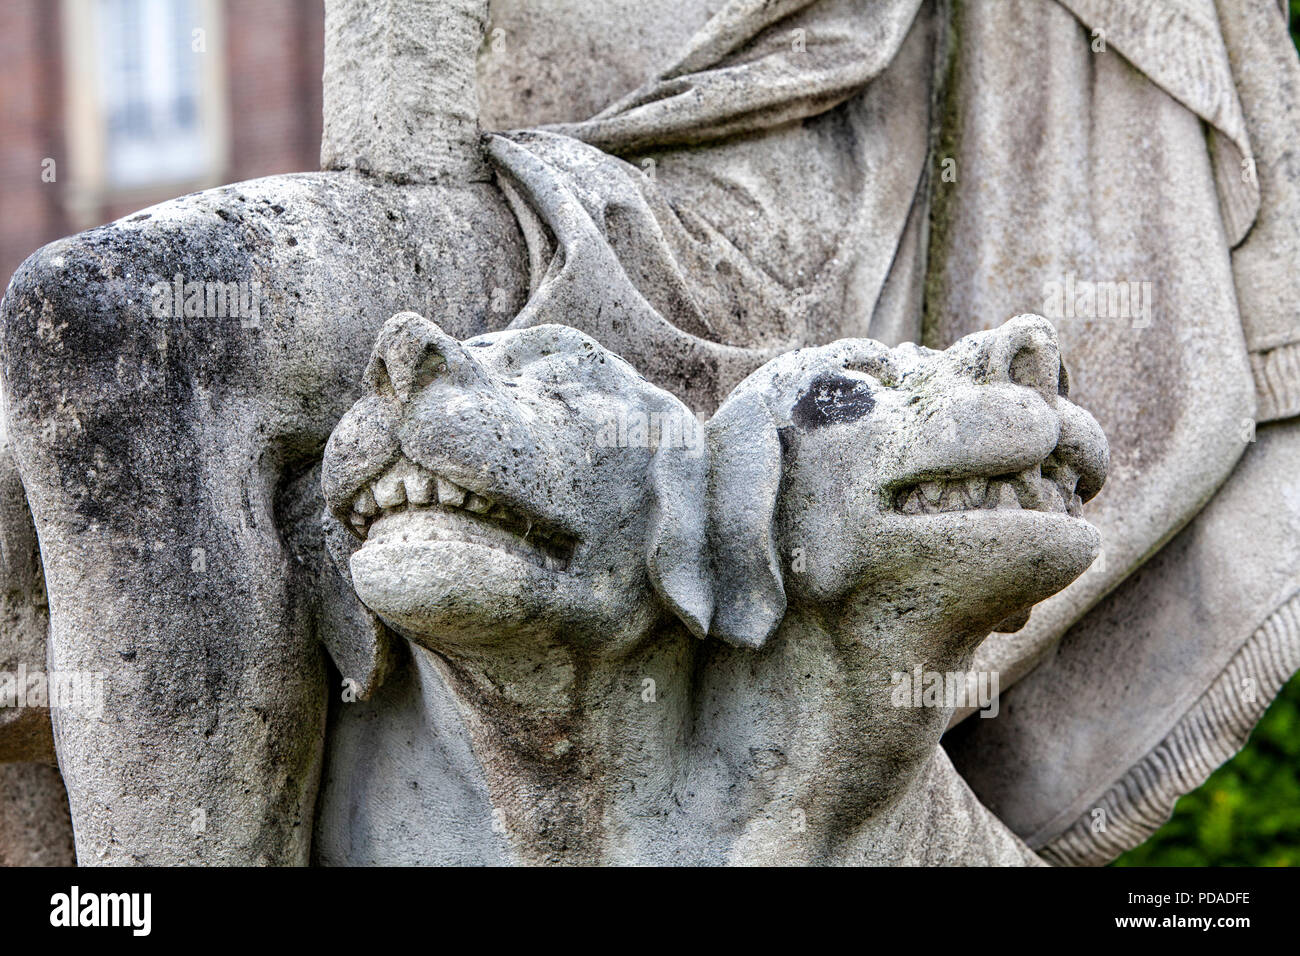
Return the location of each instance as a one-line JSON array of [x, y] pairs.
[[951, 482], [876, 512], [522, 483]]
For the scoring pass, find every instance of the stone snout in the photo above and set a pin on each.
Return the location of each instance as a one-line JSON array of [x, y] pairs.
[[876, 465], [488, 507]]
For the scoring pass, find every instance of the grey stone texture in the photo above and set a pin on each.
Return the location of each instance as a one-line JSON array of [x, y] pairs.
[[703, 189], [635, 670]]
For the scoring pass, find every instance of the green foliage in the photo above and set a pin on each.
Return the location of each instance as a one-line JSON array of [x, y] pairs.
[[1248, 812]]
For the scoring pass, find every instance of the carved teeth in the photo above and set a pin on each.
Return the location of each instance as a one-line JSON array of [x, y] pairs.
[[1055, 499], [1064, 479], [1050, 489], [419, 488], [953, 499], [365, 503], [390, 488], [1033, 494], [450, 494], [1004, 496], [408, 486]]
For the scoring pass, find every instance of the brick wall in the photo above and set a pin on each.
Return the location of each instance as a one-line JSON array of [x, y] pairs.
[[31, 123], [273, 63], [273, 68]]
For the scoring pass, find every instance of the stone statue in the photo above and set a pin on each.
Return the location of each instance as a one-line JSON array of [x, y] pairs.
[[712, 190], [541, 576]]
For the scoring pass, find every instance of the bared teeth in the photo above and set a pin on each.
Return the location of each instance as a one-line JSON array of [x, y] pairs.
[[931, 491], [953, 498], [1003, 496], [1032, 492], [1065, 479], [1049, 489], [419, 487], [1056, 499], [365, 503], [390, 488], [449, 493], [408, 486]]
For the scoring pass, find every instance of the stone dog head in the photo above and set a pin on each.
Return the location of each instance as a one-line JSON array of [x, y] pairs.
[[945, 486], [525, 485]]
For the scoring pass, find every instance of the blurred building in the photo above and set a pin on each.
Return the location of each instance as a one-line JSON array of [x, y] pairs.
[[110, 105]]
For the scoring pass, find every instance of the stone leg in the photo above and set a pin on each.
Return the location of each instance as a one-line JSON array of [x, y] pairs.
[[159, 448]]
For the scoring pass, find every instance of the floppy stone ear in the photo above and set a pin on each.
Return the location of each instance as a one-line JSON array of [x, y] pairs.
[[677, 554], [745, 477], [357, 641]]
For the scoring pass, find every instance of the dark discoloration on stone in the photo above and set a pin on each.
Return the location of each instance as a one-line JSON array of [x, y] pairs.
[[833, 399], [120, 419]]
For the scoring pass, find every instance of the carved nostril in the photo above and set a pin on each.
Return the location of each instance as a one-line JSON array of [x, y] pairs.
[[410, 354], [378, 378], [430, 365], [1036, 366], [1025, 351], [412, 364]]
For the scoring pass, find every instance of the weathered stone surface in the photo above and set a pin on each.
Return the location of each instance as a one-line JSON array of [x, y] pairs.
[[24, 622], [553, 568], [35, 829], [725, 183], [183, 587], [400, 98]]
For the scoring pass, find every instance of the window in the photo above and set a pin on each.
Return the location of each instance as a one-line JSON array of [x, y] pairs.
[[146, 97], [149, 91]]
